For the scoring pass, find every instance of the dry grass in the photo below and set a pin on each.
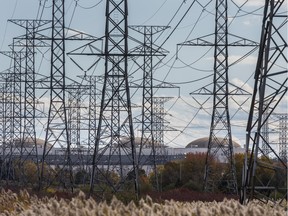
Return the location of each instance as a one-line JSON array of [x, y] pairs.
[[24, 204]]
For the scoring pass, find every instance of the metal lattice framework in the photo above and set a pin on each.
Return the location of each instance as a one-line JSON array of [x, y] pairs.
[[76, 127], [12, 107], [220, 123], [270, 89], [159, 125], [20, 103], [93, 82], [74, 114], [220, 138], [57, 131], [115, 134], [265, 132], [283, 136], [149, 52], [27, 142], [7, 134]]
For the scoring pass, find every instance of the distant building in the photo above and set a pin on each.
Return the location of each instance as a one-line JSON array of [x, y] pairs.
[[201, 146]]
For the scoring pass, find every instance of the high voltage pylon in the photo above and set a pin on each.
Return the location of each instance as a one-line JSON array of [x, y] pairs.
[[94, 82], [12, 119], [27, 44], [159, 125], [283, 136], [76, 92], [150, 51], [115, 119], [94, 94], [270, 89], [220, 138], [57, 131], [57, 134]]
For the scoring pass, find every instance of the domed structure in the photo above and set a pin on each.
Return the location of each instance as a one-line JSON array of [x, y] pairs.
[[203, 143]]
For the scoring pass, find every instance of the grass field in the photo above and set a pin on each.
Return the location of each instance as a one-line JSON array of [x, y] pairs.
[[22, 203]]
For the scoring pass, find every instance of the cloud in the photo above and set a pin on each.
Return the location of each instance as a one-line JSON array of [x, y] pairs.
[[252, 3], [250, 60], [247, 22]]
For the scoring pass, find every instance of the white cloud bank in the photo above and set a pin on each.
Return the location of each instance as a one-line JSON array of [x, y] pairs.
[[253, 3]]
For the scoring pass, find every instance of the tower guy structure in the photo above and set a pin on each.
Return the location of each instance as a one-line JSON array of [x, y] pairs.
[[220, 137], [270, 90], [115, 134]]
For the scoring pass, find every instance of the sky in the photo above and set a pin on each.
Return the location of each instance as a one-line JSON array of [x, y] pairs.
[[188, 68]]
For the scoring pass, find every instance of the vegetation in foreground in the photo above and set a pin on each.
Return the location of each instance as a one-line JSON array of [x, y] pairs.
[[180, 180], [24, 204]]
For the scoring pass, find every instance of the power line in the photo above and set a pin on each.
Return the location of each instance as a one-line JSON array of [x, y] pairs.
[[188, 82], [6, 25], [161, 6], [247, 12], [171, 19], [90, 7]]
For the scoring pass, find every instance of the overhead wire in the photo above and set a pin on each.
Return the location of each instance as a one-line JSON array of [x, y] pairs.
[[173, 17], [190, 122], [39, 15], [247, 12], [91, 7], [238, 11], [14, 9], [204, 7], [187, 82], [179, 22], [40, 10], [160, 46], [175, 55], [6, 25], [170, 36], [243, 57], [156, 11], [73, 14]]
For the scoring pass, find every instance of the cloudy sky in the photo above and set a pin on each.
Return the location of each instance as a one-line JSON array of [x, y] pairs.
[[189, 68]]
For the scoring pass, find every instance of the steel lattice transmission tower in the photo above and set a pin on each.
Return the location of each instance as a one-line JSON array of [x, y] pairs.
[[57, 131], [12, 115], [220, 138], [220, 123], [27, 43], [283, 136], [150, 51], [75, 108], [270, 90], [115, 135], [159, 125], [265, 133]]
